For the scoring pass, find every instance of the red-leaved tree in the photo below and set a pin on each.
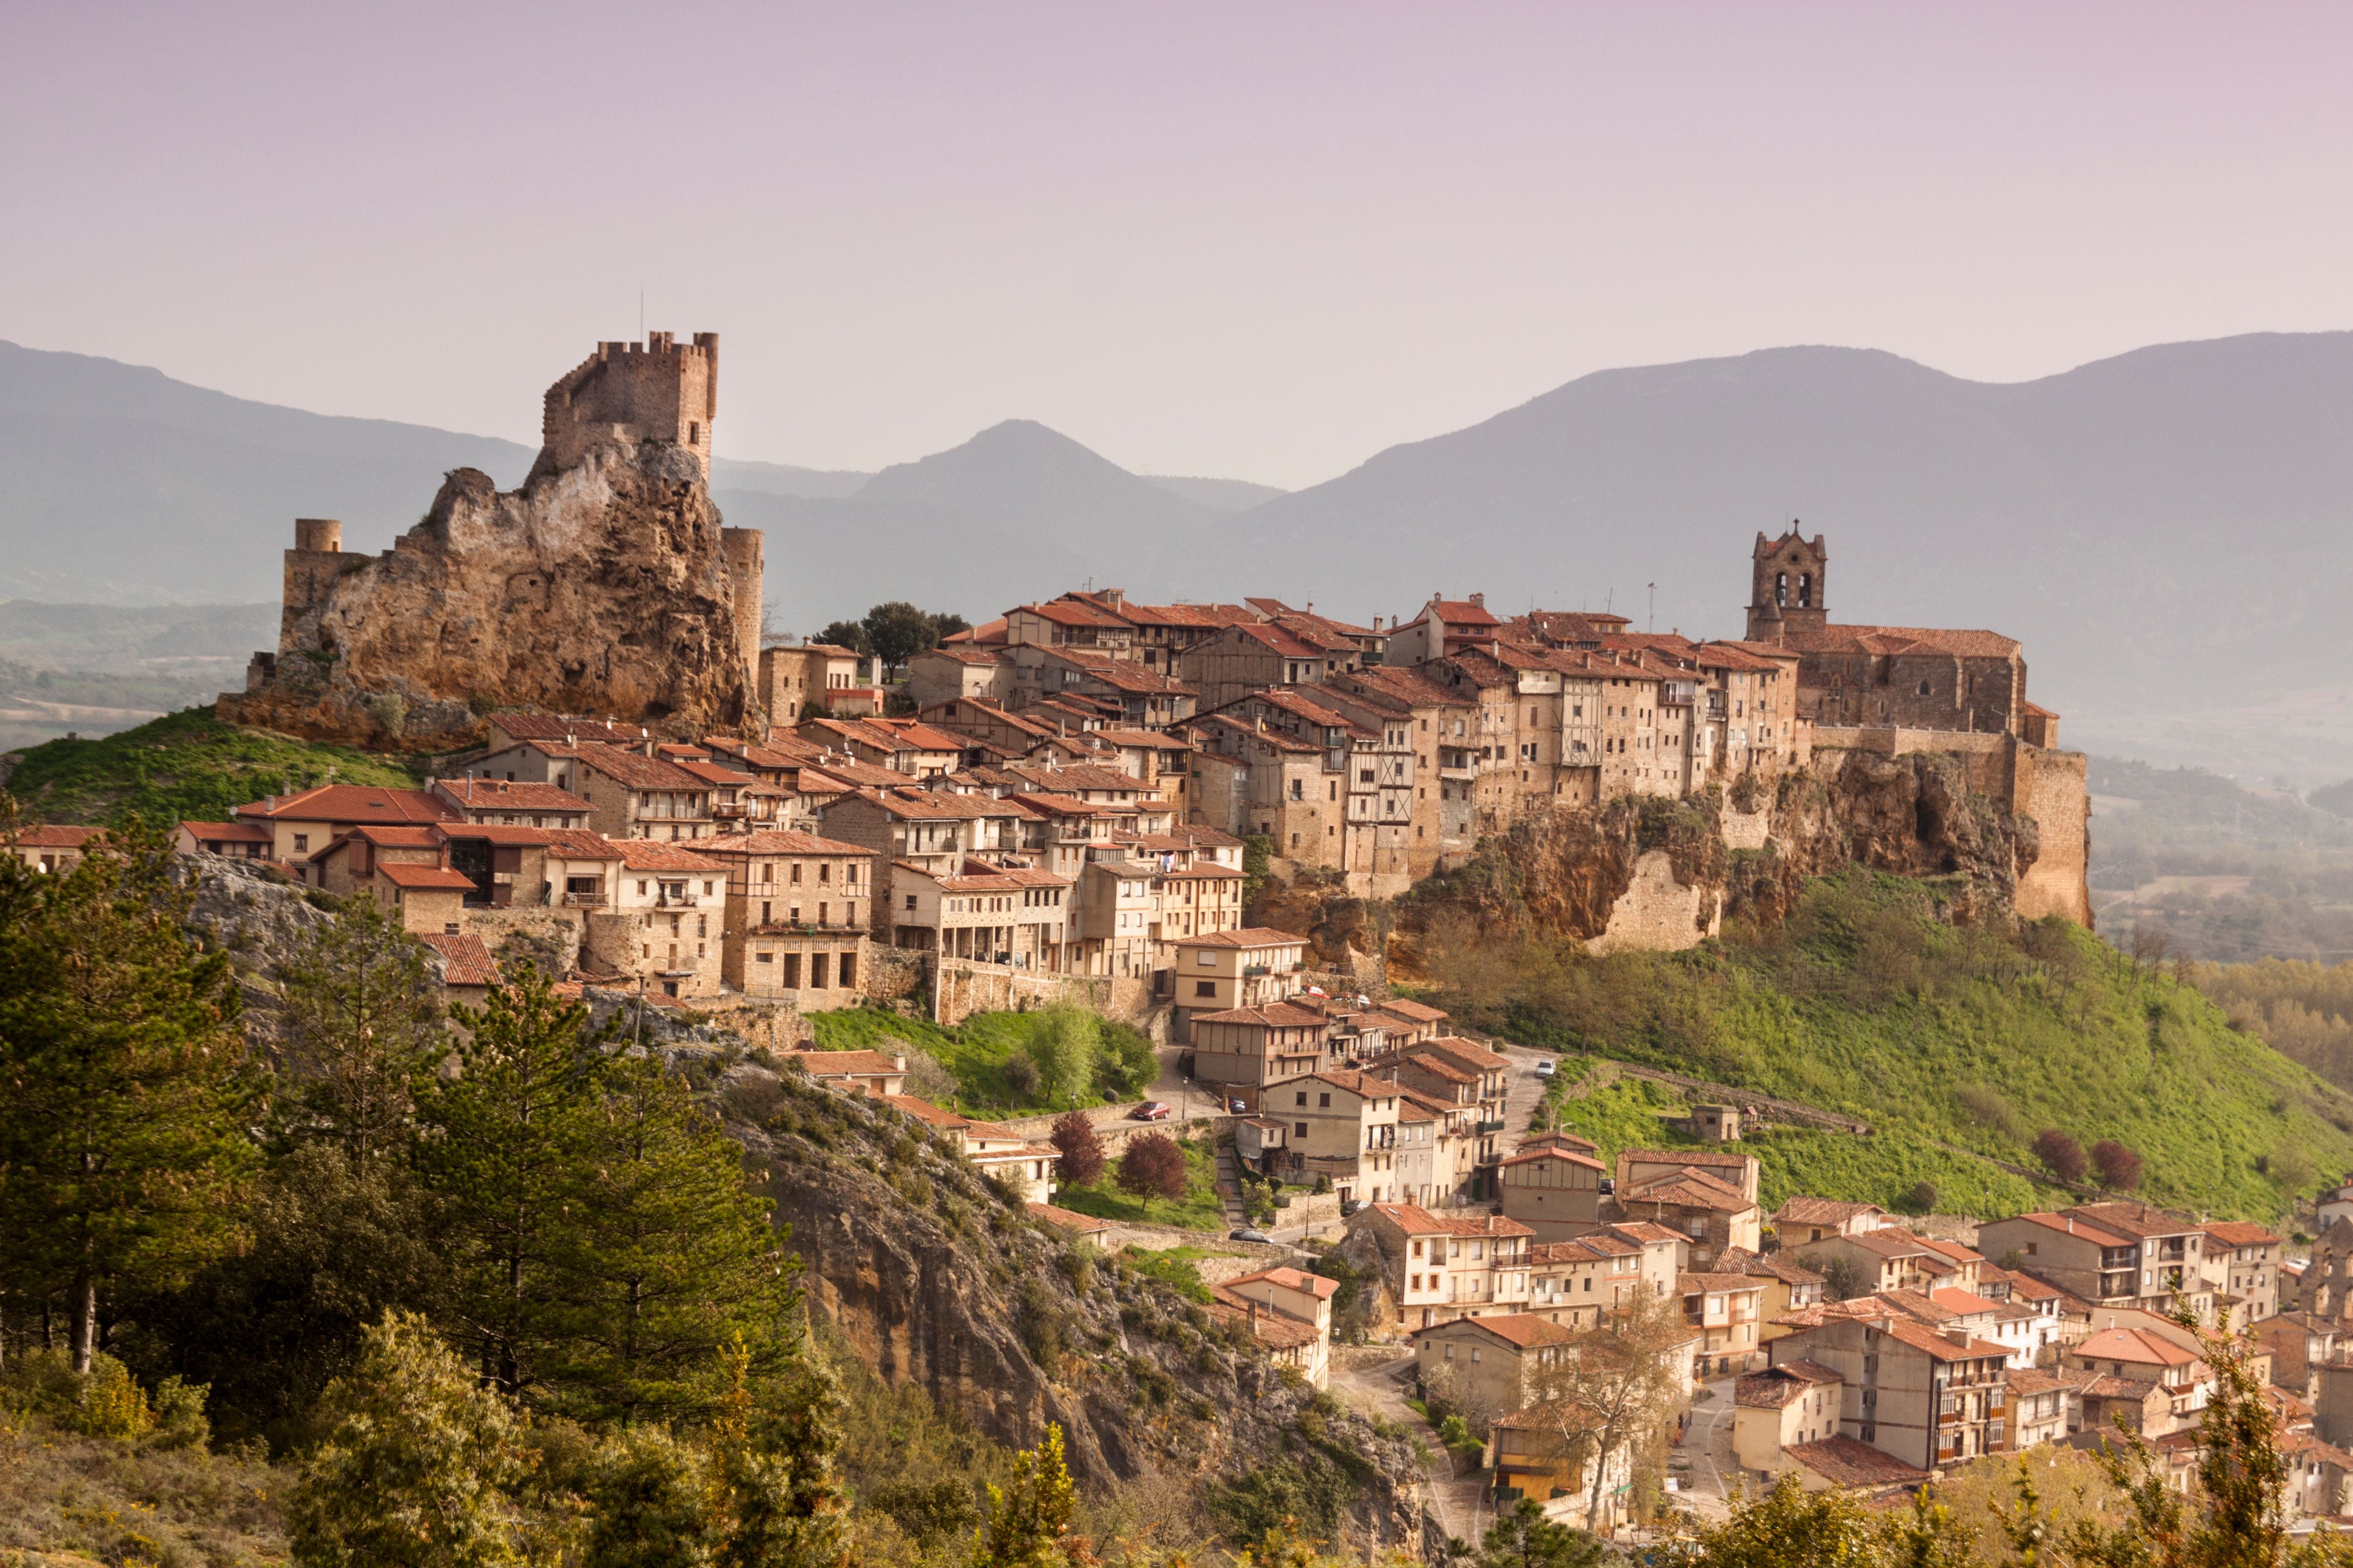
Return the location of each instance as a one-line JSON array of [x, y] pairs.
[[1080, 1145], [1152, 1167], [2118, 1166], [2061, 1153]]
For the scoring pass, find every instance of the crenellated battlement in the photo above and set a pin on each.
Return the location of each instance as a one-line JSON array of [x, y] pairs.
[[660, 390]]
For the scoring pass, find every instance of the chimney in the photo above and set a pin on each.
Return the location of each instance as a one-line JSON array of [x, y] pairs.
[[1958, 1336], [1480, 600], [900, 1062]]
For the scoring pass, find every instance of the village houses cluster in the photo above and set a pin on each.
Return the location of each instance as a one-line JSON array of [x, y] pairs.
[[1065, 797]]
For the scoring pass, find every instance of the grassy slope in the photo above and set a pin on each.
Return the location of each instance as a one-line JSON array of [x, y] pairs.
[[93, 1500], [974, 1052], [1864, 1004], [184, 765], [1199, 1209]]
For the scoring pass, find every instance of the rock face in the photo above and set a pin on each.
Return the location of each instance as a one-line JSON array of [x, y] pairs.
[[935, 1279], [1660, 874], [606, 587]]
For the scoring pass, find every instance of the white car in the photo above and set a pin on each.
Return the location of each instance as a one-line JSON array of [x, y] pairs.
[[1545, 1068]]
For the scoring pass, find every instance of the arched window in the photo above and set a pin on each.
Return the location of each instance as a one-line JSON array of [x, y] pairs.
[[1781, 587], [1805, 588]]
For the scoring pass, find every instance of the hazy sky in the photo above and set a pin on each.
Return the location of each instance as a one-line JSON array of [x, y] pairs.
[[1260, 241]]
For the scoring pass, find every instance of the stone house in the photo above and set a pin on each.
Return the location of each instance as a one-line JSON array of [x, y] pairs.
[[1415, 1021], [2109, 1254], [301, 823], [1243, 1050], [1781, 1407], [2241, 1265], [1727, 1310], [2157, 1385], [1580, 1282], [797, 916], [1252, 966], [1138, 697], [2301, 1344], [1342, 1128], [1005, 913], [666, 926], [999, 1152], [1888, 1258], [513, 803], [631, 796], [581, 868], [934, 830], [1466, 1073], [347, 863], [510, 727], [1264, 784], [1438, 1268], [798, 677], [1789, 1287], [1800, 1220], [1490, 1366], [853, 1072], [1925, 1397], [468, 970], [2045, 1407], [238, 840], [426, 899], [1555, 1191], [1303, 1299], [942, 677]]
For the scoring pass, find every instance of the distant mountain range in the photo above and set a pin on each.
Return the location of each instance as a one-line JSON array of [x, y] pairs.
[[2168, 531]]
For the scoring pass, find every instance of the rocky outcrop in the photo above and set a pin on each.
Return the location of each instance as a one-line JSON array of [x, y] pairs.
[[936, 1278], [1661, 873], [604, 588]]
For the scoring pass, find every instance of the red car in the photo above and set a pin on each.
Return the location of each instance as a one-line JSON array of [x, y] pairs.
[[1150, 1110]]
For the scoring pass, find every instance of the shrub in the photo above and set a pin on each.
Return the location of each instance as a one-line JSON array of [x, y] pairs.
[[1081, 1147], [2061, 1153], [2118, 1166], [1154, 1167], [1923, 1197], [1021, 1075]]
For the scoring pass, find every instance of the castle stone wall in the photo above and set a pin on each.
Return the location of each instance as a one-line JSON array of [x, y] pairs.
[[1659, 913], [2052, 787]]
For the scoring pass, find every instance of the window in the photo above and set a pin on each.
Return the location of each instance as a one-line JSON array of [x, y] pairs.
[[763, 958], [301, 842], [1303, 1099], [1206, 958], [1324, 1102], [1302, 1130], [1205, 988]]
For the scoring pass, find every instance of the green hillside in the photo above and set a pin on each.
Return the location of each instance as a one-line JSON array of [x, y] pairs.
[[1955, 1043], [184, 765]]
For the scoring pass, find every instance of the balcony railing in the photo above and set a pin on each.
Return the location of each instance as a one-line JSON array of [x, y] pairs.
[[677, 900], [586, 901], [1490, 1126]]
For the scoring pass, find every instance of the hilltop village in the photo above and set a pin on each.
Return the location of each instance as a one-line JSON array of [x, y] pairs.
[[1080, 801]]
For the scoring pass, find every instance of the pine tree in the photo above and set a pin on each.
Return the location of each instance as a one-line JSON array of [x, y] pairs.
[[363, 1025], [124, 1082], [419, 1465], [671, 1256], [500, 1148]]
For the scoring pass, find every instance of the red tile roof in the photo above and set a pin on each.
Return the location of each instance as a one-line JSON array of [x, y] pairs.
[[354, 803], [227, 832], [776, 842], [579, 843], [54, 836], [638, 772], [1248, 936], [1846, 1462], [464, 960], [653, 855], [422, 878], [510, 794]]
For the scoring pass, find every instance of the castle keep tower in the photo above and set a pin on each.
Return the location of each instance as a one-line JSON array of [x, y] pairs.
[[1785, 593], [656, 391]]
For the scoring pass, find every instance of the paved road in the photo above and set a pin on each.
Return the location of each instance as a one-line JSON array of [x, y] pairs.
[[1379, 1389], [1709, 1444]]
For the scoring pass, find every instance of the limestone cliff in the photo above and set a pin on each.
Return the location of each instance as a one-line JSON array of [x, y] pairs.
[[1659, 873], [605, 586]]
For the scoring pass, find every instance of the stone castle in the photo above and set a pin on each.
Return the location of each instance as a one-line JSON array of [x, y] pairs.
[[606, 584]]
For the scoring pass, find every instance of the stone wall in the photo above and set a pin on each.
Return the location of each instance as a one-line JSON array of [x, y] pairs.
[[546, 933], [892, 974], [2052, 789], [962, 986], [1658, 912]]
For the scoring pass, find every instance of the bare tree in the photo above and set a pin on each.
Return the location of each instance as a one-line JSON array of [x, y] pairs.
[[1613, 1386]]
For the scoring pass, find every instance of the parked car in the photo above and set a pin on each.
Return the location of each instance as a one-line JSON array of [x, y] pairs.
[[1352, 1205], [1545, 1068], [1609, 1186], [1249, 1233], [1150, 1110], [1239, 1107]]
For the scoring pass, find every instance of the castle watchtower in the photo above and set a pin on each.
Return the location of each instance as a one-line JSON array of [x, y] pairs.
[[654, 391], [316, 559], [1786, 591]]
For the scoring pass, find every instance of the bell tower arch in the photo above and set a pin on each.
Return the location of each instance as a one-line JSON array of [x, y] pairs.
[[1786, 591]]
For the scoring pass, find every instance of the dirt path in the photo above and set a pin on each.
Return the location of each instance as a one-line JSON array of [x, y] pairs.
[[1377, 1388]]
